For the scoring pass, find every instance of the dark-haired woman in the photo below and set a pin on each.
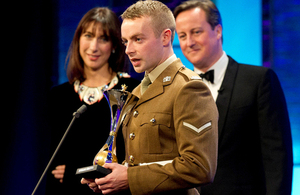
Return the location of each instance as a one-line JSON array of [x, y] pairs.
[[95, 57]]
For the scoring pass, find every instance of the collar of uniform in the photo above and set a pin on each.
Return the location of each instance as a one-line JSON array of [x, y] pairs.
[[161, 67], [219, 68]]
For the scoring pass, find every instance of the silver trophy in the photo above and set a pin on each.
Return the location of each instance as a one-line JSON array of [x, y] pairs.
[[107, 154]]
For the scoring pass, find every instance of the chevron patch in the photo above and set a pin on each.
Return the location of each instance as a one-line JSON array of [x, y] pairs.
[[198, 130]]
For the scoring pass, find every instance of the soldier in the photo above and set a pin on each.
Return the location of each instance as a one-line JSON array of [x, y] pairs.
[[170, 133]]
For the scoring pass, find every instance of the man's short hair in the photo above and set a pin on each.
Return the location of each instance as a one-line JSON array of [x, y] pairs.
[[213, 16], [161, 16]]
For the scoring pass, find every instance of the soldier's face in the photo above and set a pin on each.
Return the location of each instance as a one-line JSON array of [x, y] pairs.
[[142, 47]]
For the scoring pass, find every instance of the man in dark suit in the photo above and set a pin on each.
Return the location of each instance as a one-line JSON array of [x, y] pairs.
[[255, 147]]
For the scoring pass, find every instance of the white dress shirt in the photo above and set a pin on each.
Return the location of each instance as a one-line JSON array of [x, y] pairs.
[[219, 72]]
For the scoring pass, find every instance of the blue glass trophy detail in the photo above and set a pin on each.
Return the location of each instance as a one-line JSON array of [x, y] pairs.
[[107, 154]]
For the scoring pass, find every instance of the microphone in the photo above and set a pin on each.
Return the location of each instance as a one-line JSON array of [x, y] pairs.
[[80, 111], [76, 115]]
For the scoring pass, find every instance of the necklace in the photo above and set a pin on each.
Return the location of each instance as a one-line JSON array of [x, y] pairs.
[[91, 95]]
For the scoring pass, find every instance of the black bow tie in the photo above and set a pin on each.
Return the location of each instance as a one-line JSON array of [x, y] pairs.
[[209, 76]]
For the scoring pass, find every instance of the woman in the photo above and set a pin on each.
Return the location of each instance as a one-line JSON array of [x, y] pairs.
[[95, 56]]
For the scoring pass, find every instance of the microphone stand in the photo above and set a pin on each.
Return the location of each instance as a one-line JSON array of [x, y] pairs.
[[76, 115]]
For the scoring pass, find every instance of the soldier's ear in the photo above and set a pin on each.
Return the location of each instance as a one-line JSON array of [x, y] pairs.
[[166, 37]]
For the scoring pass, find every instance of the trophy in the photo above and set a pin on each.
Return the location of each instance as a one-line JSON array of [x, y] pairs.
[[107, 154]]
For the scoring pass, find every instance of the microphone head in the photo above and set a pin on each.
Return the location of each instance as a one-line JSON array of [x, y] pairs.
[[81, 110]]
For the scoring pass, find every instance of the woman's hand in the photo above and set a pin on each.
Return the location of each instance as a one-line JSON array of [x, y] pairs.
[[59, 172]]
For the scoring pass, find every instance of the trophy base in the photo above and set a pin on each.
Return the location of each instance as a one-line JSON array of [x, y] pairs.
[[92, 172]]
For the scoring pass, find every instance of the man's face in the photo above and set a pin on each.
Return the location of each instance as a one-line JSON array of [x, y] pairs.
[[199, 43], [142, 47]]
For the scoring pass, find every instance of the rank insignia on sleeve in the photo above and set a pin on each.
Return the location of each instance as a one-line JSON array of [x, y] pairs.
[[198, 130]]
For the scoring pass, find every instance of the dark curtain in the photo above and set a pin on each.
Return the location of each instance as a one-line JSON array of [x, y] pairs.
[[29, 49]]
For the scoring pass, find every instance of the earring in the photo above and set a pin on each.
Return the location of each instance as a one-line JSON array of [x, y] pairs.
[[113, 51]]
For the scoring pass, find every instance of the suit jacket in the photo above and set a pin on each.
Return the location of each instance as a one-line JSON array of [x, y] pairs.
[[255, 147], [174, 123]]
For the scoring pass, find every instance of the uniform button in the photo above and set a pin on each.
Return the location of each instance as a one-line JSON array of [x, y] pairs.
[[131, 159], [135, 113], [132, 136], [152, 120]]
